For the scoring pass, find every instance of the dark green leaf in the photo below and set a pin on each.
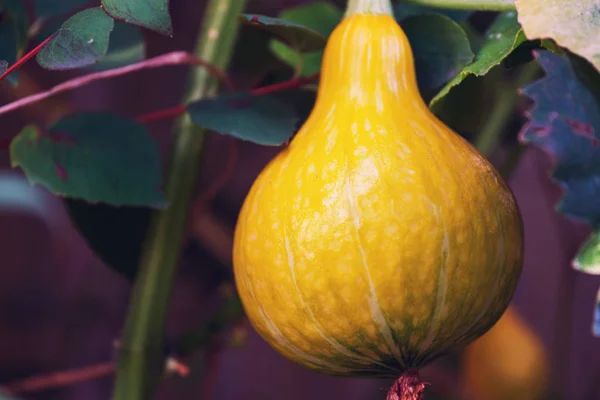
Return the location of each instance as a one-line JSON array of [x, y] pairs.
[[54, 8], [265, 119], [565, 121], [115, 234], [440, 46], [126, 46], [151, 14], [404, 10], [322, 17], [252, 59], [501, 39], [97, 157], [81, 41], [297, 36], [588, 257]]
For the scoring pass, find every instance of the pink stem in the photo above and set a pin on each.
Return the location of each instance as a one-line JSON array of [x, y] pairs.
[[408, 387], [173, 58]]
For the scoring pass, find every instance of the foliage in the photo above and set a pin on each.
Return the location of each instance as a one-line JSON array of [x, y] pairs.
[[151, 14], [98, 157], [322, 17], [109, 168], [82, 40], [573, 24], [265, 120], [55, 8], [500, 40], [565, 121]]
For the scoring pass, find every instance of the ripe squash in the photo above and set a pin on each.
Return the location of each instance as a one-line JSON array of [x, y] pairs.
[[379, 239], [508, 362]]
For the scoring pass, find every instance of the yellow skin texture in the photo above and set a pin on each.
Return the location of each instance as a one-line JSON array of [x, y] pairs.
[[378, 239]]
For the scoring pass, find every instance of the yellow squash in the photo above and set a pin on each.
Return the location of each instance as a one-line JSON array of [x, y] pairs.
[[508, 362], [378, 239]]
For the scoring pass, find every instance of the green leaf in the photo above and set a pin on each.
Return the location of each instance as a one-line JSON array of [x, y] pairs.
[[322, 17], [440, 46], [126, 47], [151, 14], [264, 119], [501, 39], [572, 24], [54, 8], [297, 36], [97, 157], [565, 121], [404, 10], [588, 257], [81, 41], [115, 234]]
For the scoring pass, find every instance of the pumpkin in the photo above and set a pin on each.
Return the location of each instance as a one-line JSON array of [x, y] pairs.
[[378, 239], [508, 362]]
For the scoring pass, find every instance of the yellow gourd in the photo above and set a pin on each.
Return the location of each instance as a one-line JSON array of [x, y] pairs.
[[508, 362], [378, 239]]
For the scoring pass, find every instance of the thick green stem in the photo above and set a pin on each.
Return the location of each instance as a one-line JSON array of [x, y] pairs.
[[141, 353], [376, 7], [484, 5], [384, 7]]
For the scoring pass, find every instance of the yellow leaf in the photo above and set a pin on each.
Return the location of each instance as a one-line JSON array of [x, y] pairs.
[[574, 24]]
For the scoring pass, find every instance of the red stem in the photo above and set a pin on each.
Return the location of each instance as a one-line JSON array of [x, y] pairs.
[[166, 59], [173, 58], [291, 84], [408, 387], [161, 114], [26, 57], [181, 109]]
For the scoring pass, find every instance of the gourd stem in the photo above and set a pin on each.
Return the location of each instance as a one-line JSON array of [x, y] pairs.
[[408, 387], [373, 7], [482, 5]]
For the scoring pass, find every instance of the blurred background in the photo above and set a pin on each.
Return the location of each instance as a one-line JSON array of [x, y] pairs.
[[62, 308]]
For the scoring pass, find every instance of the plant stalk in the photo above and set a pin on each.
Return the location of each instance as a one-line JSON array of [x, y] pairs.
[[141, 353], [375, 7], [482, 5]]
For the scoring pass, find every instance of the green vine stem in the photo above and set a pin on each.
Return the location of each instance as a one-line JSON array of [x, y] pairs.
[[483, 5], [384, 7], [141, 353], [379, 7]]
